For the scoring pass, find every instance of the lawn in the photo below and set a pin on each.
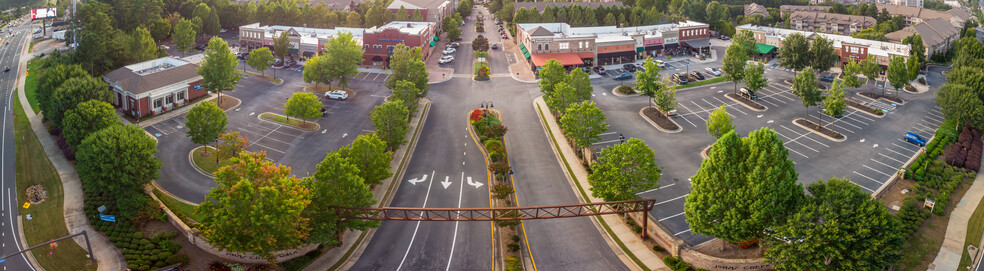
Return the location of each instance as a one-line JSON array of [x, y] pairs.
[[701, 83], [205, 160], [31, 83], [479, 65], [179, 207], [293, 121], [974, 228], [48, 217]]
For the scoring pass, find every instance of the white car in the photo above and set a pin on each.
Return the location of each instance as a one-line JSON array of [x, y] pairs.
[[337, 94], [660, 63], [713, 71], [449, 51], [445, 60]]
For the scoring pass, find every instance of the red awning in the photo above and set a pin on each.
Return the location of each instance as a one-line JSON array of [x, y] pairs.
[[586, 55], [567, 59]]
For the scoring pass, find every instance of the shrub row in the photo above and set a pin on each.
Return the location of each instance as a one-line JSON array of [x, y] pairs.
[[944, 135], [966, 152], [139, 251], [912, 215], [677, 264]]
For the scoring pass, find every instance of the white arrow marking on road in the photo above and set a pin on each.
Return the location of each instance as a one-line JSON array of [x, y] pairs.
[[606, 94], [875, 146], [476, 184], [446, 183], [759, 116], [720, 91], [252, 113], [415, 181], [770, 121], [324, 131], [862, 140], [344, 135], [713, 87], [237, 109]]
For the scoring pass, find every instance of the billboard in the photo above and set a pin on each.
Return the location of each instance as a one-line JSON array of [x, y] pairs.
[[43, 13]]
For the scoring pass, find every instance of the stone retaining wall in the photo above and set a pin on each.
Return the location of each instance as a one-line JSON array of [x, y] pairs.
[[677, 247]]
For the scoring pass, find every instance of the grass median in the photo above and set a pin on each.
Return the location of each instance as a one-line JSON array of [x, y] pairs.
[[704, 82], [48, 217], [975, 226], [31, 83], [205, 160], [295, 122]]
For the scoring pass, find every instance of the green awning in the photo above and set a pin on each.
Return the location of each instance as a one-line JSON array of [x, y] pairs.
[[292, 50], [526, 53], [436, 38], [433, 43], [764, 49], [640, 49]]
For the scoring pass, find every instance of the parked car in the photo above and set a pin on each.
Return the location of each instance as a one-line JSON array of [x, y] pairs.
[[680, 78], [6, 69], [640, 68], [495, 46], [660, 63], [629, 67], [448, 51], [748, 94], [827, 78], [445, 59], [723, 37], [697, 75], [337, 94], [624, 76], [915, 139], [713, 71], [453, 45], [505, 37]]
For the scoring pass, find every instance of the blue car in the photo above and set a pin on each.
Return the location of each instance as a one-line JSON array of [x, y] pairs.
[[915, 139], [624, 76]]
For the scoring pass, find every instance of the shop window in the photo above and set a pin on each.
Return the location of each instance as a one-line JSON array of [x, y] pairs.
[[546, 47], [170, 99], [389, 49], [158, 103], [564, 45], [539, 47], [181, 96]]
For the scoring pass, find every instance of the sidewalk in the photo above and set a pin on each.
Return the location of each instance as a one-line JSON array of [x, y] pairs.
[[956, 228], [108, 257], [622, 232]]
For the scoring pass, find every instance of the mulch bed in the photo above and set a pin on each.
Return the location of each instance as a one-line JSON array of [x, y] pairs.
[[660, 119], [819, 129], [861, 107], [746, 101], [879, 96]]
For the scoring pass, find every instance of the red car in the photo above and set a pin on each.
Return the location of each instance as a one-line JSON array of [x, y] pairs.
[[505, 37]]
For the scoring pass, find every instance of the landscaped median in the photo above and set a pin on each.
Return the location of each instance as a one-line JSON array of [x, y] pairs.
[[268, 78], [293, 122], [714, 80], [205, 159]]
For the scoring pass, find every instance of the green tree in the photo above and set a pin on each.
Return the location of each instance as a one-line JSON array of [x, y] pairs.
[[211, 23], [745, 186], [833, 102], [87, 118], [261, 59], [624, 170], [733, 63], [50, 80], [822, 54], [805, 87], [316, 70], [610, 19], [719, 122], [184, 35], [336, 183], [303, 105], [716, 13], [912, 67], [870, 69], [465, 8], [205, 122], [408, 93], [406, 65], [839, 227], [917, 48], [480, 43], [368, 153], [342, 56], [73, 92], [579, 80], [142, 45], [898, 76], [280, 45], [120, 160], [649, 82], [564, 96], [256, 207], [451, 25], [402, 14], [551, 73], [218, 69], [419, 17], [353, 19], [391, 122], [755, 77], [960, 102], [583, 123], [232, 144], [795, 52], [850, 74], [160, 29]]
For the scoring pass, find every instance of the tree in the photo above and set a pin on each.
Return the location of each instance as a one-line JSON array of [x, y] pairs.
[[255, 207], [205, 122], [336, 183], [870, 69], [303, 105], [120, 160], [850, 74], [391, 122], [912, 67], [261, 59], [649, 81], [579, 80], [480, 43], [402, 14], [624, 170], [218, 69], [719, 122], [142, 45], [184, 35], [834, 101], [406, 65], [839, 227], [232, 144], [755, 77], [368, 153], [419, 17], [822, 54], [794, 53], [716, 12], [160, 29], [408, 93], [746, 40], [665, 100], [465, 8], [918, 49], [211, 23], [87, 118], [583, 123], [733, 63], [550, 74], [745, 186], [353, 19], [342, 57], [610, 19], [898, 76], [961, 103], [280, 45], [805, 87], [316, 70], [73, 92], [50, 80], [450, 25]]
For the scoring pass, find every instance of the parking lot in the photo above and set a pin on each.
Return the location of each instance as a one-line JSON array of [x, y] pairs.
[[273, 138], [871, 154]]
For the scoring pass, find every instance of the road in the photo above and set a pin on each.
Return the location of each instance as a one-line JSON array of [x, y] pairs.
[[9, 57]]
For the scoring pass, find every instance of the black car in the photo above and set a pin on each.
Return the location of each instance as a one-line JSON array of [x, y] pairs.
[[680, 78], [697, 75], [629, 67], [827, 78], [6, 69]]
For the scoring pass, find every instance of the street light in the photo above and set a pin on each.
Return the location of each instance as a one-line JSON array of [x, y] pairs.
[[485, 110], [621, 138]]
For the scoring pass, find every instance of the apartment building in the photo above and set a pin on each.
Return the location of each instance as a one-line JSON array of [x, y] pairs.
[[830, 22], [790, 9], [756, 9], [937, 34], [304, 41], [846, 46], [915, 15]]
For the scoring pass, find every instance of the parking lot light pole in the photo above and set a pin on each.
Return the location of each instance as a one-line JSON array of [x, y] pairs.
[[621, 138]]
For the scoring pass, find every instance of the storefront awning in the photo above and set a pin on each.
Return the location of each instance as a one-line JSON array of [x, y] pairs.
[[308, 54], [567, 59], [640, 49], [433, 43], [763, 48], [701, 43], [526, 53], [617, 54], [436, 38], [292, 50], [670, 46], [586, 55]]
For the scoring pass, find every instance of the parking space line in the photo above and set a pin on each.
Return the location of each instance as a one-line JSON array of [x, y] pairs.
[[924, 126], [684, 118], [668, 217], [841, 127], [906, 148], [716, 107], [932, 122], [702, 110], [899, 153], [682, 232], [606, 142], [669, 200], [726, 105], [367, 75], [764, 100], [935, 114], [884, 164], [266, 147], [854, 114], [608, 133], [869, 178], [692, 112], [890, 158], [654, 189], [798, 137], [875, 170]]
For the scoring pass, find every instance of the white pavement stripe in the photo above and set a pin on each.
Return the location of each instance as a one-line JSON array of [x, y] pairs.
[[669, 200], [455, 238], [906, 148], [608, 133], [688, 120], [796, 140], [672, 216], [682, 232], [654, 189], [899, 153], [869, 178], [890, 158], [693, 113], [884, 164], [763, 99], [869, 119], [414, 236], [605, 142], [879, 171]]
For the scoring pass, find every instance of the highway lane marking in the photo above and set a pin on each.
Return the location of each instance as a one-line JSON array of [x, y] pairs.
[[414, 236], [461, 189], [3, 150]]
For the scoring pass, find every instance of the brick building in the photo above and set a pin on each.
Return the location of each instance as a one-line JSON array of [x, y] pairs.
[[379, 42], [153, 87]]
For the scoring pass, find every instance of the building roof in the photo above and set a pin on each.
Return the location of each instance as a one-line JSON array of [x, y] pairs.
[[960, 13], [840, 19], [323, 33], [416, 4], [877, 48], [933, 32], [603, 33], [914, 12], [753, 8], [150, 75], [541, 6], [406, 27], [794, 8]]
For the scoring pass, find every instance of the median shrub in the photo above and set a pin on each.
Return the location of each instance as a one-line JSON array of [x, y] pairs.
[[676, 264]]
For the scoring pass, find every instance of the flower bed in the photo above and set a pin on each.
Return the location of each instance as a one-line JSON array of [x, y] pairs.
[[864, 108], [876, 96], [489, 132], [659, 119]]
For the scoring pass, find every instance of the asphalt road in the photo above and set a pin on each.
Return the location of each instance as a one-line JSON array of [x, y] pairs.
[[9, 57]]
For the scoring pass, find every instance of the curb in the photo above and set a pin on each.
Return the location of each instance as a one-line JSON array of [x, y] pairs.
[[191, 160], [679, 128], [23, 240], [703, 152], [615, 92], [447, 79], [260, 117], [866, 112], [745, 105], [886, 100], [282, 81], [818, 133], [491, 182]]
